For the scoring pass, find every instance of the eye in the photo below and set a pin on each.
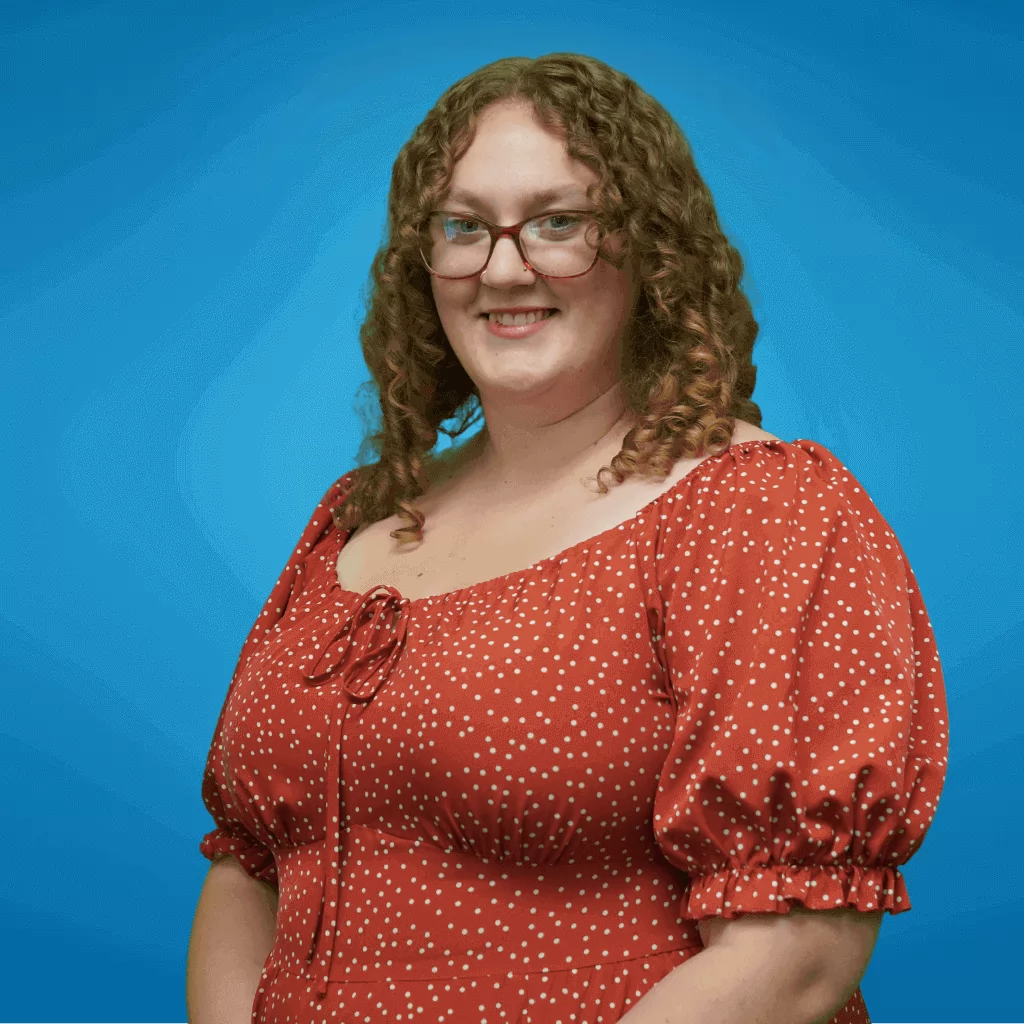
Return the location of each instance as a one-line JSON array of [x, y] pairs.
[[555, 226], [456, 228], [561, 221]]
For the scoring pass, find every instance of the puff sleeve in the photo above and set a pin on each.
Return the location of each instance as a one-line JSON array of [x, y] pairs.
[[810, 744], [241, 830]]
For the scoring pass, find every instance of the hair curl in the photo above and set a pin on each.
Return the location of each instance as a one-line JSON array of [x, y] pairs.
[[686, 362]]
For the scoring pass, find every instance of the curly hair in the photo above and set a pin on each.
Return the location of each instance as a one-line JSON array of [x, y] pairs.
[[686, 369]]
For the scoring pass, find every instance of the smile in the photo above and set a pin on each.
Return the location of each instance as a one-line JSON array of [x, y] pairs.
[[518, 319], [520, 325]]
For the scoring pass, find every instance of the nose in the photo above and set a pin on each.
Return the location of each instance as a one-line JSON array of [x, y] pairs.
[[506, 266]]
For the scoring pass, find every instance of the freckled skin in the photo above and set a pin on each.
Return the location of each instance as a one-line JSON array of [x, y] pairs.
[[729, 701]]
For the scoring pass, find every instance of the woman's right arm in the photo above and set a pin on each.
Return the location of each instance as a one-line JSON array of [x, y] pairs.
[[236, 917], [232, 935]]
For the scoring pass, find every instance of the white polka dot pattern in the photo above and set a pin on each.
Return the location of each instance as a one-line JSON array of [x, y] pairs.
[[811, 741], [513, 801]]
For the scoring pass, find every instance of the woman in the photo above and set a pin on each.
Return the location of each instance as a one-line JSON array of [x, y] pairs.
[[651, 752]]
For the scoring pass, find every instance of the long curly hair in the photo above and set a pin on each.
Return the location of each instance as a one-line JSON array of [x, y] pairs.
[[686, 369]]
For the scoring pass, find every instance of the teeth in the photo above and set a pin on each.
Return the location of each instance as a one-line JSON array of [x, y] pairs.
[[518, 319]]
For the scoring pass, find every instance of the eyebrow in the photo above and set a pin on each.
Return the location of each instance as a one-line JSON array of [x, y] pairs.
[[548, 195]]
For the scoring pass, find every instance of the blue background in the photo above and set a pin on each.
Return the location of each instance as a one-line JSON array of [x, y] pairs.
[[191, 196]]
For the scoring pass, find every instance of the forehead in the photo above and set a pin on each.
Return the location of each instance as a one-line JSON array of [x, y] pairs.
[[513, 160]]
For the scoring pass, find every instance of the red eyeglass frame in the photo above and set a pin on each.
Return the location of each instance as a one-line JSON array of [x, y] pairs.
[[497, 231]]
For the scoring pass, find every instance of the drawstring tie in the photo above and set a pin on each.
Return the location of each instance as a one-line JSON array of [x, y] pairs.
[[360, 680]]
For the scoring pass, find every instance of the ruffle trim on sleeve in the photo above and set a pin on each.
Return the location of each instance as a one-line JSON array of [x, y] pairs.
[[776, 889], [257, 859]]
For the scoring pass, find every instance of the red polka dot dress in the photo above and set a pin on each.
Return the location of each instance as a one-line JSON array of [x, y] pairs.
[[513, 802]]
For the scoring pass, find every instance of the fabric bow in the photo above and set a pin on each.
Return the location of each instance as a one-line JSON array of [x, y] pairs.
[[361, 679]]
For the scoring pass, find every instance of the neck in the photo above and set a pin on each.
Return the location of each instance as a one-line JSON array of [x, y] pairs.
[[515, 453]]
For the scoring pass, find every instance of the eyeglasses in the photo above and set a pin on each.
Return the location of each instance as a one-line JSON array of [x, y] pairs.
[[559, 244]]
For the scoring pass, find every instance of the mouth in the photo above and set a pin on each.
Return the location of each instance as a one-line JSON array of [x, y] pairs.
[[518, 319], [520, 325]]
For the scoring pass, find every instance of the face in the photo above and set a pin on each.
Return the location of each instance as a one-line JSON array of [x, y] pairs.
[[574, 356]]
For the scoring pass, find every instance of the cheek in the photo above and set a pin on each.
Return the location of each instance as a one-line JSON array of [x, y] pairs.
[[452, 299], [604, 293], [440, 294]]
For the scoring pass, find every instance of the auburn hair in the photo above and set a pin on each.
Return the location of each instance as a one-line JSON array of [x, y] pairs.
[[686, 369]]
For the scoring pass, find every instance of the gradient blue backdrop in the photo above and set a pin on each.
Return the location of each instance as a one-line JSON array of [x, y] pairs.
[[191, 197]]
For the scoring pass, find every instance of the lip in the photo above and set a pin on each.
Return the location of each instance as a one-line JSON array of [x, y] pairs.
[[517, 309], [519, 330]]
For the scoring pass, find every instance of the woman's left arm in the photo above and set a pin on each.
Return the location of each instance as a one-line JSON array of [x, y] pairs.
[[795, 968], [810, 742]]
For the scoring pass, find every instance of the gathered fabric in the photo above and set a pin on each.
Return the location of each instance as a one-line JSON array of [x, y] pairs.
[[360, 682]]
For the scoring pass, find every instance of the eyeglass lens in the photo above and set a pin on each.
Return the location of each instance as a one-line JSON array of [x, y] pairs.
[[556, 244]]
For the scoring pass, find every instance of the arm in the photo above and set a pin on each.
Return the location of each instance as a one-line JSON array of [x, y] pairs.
[[810, 739], [232, 935], [796, 968], [235, 923]]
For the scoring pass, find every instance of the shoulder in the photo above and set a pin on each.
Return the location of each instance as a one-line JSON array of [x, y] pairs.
[[728, 460], [743, 431], [768, 501], [782, 480], [798, 486]]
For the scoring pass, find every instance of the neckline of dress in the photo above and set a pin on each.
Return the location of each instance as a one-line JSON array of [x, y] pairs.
[[484, 587]]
